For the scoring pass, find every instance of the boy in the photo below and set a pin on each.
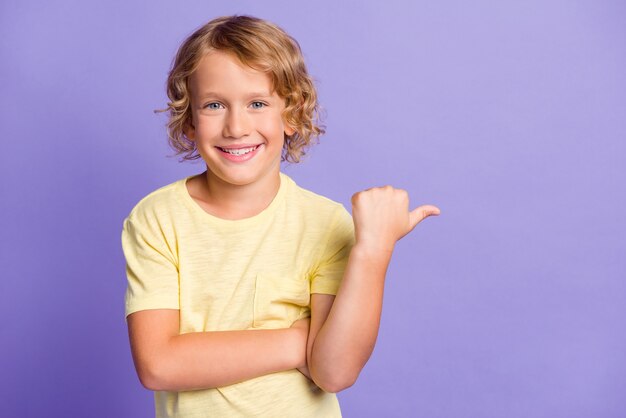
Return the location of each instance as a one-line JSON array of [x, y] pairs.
[[232, 273]]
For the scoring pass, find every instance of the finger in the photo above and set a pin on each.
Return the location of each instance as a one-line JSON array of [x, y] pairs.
[[420, 213]]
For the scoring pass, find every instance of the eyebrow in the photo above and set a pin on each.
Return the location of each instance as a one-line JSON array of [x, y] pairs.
[[209, 94]]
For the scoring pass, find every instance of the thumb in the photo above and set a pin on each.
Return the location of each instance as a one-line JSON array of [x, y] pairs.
[[420, 213]]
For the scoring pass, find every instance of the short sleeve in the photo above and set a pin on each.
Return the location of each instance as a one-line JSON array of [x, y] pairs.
[[151, 269], [327, 277]]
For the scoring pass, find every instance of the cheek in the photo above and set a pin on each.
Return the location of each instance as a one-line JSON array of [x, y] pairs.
[[207, 125], [272, 126]]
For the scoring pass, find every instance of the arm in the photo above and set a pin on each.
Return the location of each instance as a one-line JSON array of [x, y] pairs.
[[167, 360], [344, 328]]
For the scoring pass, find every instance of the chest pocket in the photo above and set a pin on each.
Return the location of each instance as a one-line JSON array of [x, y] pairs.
[[279, 301]]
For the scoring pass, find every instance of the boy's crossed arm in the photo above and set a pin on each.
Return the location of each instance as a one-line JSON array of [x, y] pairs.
[[344, 328], [167, 360]]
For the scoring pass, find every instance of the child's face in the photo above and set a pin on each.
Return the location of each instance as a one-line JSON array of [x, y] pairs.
[[237, 120]]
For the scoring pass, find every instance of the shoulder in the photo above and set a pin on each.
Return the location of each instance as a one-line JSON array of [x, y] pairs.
[[160, 203], [314, 204]]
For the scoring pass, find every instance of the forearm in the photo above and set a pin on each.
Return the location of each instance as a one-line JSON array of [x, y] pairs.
[[203, 360], [346, 340]]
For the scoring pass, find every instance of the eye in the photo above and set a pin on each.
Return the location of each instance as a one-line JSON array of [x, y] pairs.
[[258, 105], [213, 106]]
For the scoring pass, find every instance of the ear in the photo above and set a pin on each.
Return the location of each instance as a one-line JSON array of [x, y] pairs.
[[189, 130], [289, 130]]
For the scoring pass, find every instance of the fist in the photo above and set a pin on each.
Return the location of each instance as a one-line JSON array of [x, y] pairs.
[[381, 216]]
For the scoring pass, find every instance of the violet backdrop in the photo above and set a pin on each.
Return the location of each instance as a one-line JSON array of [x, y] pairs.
[[509, 116]]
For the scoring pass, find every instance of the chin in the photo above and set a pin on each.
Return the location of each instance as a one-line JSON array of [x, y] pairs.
[[237, 179], [245, 174]]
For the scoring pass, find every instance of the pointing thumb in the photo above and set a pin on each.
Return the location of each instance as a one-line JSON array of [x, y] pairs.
[[420, 213]]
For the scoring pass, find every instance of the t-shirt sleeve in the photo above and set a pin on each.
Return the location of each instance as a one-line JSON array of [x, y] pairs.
[[327, 277], [151, 268]]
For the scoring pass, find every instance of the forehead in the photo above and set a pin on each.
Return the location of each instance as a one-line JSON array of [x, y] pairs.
[[222, 73]]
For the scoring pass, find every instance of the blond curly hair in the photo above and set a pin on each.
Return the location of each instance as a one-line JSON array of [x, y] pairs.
[[258, 44]]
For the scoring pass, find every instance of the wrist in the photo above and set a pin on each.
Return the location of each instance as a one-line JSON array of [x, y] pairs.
[[297, 347], [373, 250]]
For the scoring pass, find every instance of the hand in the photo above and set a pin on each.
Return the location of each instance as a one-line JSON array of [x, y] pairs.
[[302, 326], [381, 216]]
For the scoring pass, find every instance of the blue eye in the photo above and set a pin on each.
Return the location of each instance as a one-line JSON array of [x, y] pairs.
[[258, 105], [213, 106]]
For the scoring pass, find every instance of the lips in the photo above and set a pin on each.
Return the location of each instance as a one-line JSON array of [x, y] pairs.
[[239, 153], [241, 150]]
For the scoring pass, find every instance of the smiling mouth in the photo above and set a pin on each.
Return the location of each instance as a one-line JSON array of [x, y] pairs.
[[238, 151]]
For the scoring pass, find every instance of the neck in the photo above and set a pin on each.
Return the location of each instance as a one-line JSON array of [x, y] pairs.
[[230, 201]]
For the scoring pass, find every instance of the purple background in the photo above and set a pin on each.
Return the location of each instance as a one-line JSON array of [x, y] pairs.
[[509, 116]]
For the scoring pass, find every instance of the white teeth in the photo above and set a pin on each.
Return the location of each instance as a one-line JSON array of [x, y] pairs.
[[240, 151]]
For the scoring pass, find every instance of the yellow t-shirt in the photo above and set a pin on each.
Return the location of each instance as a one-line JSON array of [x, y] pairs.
[[222, 274]]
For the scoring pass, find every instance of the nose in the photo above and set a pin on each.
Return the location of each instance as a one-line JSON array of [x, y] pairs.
[[237, 124]]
